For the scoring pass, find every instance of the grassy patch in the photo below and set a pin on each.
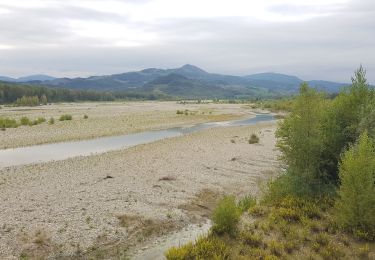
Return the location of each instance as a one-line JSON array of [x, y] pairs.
[[246, 203], [291, 228]]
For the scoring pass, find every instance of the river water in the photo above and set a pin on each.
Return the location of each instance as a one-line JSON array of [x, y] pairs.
[[64, 150]]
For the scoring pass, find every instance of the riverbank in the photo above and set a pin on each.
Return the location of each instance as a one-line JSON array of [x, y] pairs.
[[109, 119], [119, 200]]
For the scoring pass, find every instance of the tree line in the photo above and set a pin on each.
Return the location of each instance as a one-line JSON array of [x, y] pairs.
[[29, 94]]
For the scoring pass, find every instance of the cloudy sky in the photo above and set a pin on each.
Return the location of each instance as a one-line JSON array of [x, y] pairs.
[[313, 39]]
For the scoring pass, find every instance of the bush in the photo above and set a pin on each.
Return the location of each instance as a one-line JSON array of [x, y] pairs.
[[226, 216], [51, 121], [180, 112], [25, 121], [247, 202], [85, 116], [8, 123], [65, 117], [355, 210], [41, 120], [254, 139]]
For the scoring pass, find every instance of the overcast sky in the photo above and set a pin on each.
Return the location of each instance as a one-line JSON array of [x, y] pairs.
[[313, 39]]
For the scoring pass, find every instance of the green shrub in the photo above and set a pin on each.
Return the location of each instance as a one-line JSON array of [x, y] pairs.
[[41, 120], [8, 123], [51, 121], [25, 121], [254, 139], [355, 210], [226, 216], [180, 112], [65, 117], [85, 116], [246, 202]]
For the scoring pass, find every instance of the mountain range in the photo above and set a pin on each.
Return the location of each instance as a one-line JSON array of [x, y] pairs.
[[38, 77], [187, 81]]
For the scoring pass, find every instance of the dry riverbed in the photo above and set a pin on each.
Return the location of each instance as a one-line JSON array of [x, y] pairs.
[[118, 202], [108, 119]]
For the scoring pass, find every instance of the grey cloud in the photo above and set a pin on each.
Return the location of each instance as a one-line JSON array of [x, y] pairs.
[[328, 47]]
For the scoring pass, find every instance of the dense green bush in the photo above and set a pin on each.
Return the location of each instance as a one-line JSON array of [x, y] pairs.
[[226, 216], [355, 208]]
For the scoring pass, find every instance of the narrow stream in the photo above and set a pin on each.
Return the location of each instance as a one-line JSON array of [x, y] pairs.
[[64, 150]]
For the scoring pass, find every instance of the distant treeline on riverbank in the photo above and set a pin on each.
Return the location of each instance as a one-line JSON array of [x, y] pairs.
[[16, 93]]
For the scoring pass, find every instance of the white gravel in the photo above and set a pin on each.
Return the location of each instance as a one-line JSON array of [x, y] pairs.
[[75, 205]]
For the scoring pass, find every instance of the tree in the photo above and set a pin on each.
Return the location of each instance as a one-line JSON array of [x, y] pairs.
[[299, 139], [342, 121], [43, 99], [355, 208]]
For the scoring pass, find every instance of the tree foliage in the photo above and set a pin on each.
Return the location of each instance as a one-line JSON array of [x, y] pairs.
[[27, 94], [350, 113], [299, 138], [355, 208]]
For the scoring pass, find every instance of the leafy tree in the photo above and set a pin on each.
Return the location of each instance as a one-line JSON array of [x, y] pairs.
[[28, 101], [299, 139], [355, 208], [43, 99], [349, 114]]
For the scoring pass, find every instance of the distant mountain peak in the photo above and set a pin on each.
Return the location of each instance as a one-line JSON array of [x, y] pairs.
[[151, 70], [192, 69]]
